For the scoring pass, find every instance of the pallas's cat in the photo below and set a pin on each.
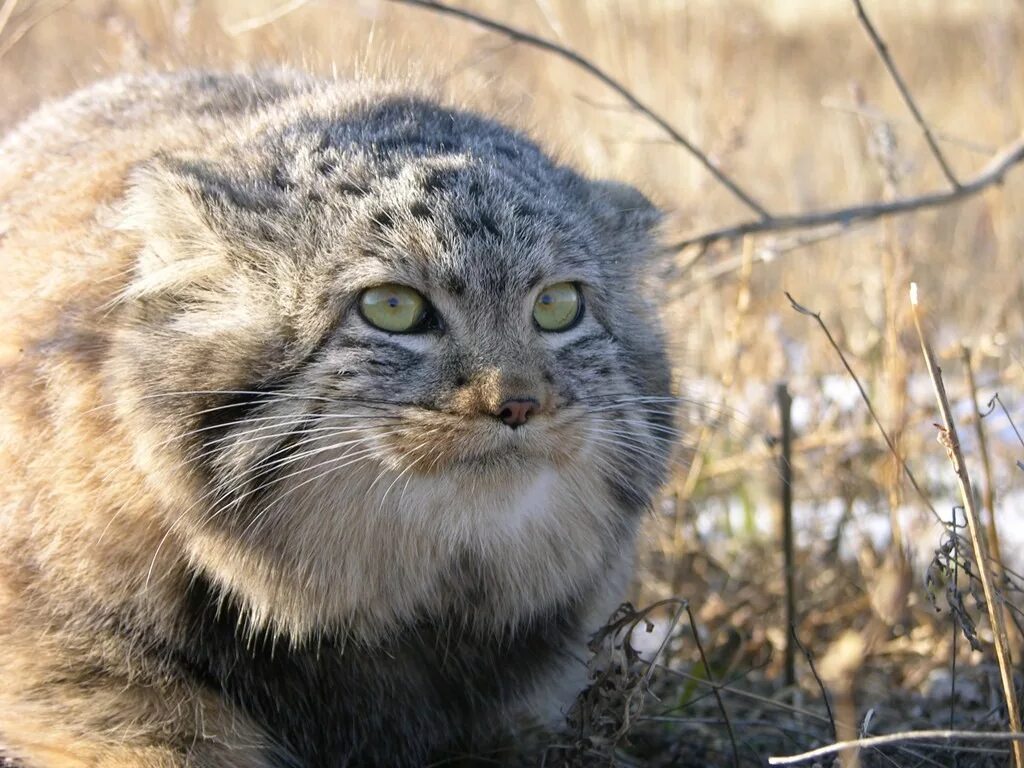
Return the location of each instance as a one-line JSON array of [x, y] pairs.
[[328, 416]]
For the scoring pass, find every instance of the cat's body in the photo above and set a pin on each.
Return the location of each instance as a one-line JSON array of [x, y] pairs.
[[242, 526]]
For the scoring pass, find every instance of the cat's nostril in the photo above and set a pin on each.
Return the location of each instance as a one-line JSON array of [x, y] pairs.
[[517, 411]]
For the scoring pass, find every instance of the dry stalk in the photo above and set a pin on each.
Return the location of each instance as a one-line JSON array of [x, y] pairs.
[[987, 493], [951, 441], [728, 377], [785, 403], [896, 738]]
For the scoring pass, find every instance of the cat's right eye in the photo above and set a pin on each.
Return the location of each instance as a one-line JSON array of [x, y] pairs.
[[394, 308]]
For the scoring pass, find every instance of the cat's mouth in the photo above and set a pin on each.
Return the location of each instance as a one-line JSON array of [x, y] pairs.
[[481, 445]]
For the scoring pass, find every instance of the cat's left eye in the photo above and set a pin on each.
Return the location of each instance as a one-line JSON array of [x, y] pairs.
[[558, 307], [394, 308]]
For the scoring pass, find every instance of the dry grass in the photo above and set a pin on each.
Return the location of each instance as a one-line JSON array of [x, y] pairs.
[[790, 98]]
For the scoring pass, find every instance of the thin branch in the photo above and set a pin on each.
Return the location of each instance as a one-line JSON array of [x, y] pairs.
[[785, 403], [896, 738], [992, 404], [993, 173], [817, 678], [867, 401], [883, 51], [570, 55], [714, 685]]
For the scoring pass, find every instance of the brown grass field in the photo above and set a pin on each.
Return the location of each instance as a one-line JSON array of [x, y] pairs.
[[791, 100]]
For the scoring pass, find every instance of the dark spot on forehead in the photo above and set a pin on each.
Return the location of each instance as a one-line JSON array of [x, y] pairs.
[[392, 143], [438, 180], [383, 219], [279, 180], [489, 224], [420, 210], [524, 211], [475, 189], [466, 225], [325, 143]]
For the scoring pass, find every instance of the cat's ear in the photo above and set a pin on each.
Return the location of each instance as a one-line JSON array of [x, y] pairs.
[[624, 208], [166, 209]]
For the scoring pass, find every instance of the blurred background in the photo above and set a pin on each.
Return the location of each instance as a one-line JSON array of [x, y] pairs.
[[792, 101]]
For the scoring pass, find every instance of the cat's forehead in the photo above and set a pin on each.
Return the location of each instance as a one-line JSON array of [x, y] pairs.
[[464, 225]]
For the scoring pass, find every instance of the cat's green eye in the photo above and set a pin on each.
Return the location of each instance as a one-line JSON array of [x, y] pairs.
[[393, 308], [558, 307]]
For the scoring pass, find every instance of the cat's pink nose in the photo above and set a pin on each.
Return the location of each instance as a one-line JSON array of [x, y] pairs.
[[517, 411]]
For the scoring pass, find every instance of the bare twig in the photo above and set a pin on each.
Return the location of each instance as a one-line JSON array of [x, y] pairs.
[[991, 406], [953, 615], [818, 680], [993, 173], [785, 403], [895, 738], [714, 685], [883, 51], [951, 441], [867, 401], [570, 55]]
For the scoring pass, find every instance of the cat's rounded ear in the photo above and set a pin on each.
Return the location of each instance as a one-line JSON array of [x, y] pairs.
[[625, 208], [165, 208]]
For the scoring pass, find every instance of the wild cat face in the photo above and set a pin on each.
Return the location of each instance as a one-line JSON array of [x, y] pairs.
[[391, 294]]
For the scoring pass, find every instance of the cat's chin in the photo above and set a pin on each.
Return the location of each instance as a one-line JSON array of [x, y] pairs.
[[512, 457]]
